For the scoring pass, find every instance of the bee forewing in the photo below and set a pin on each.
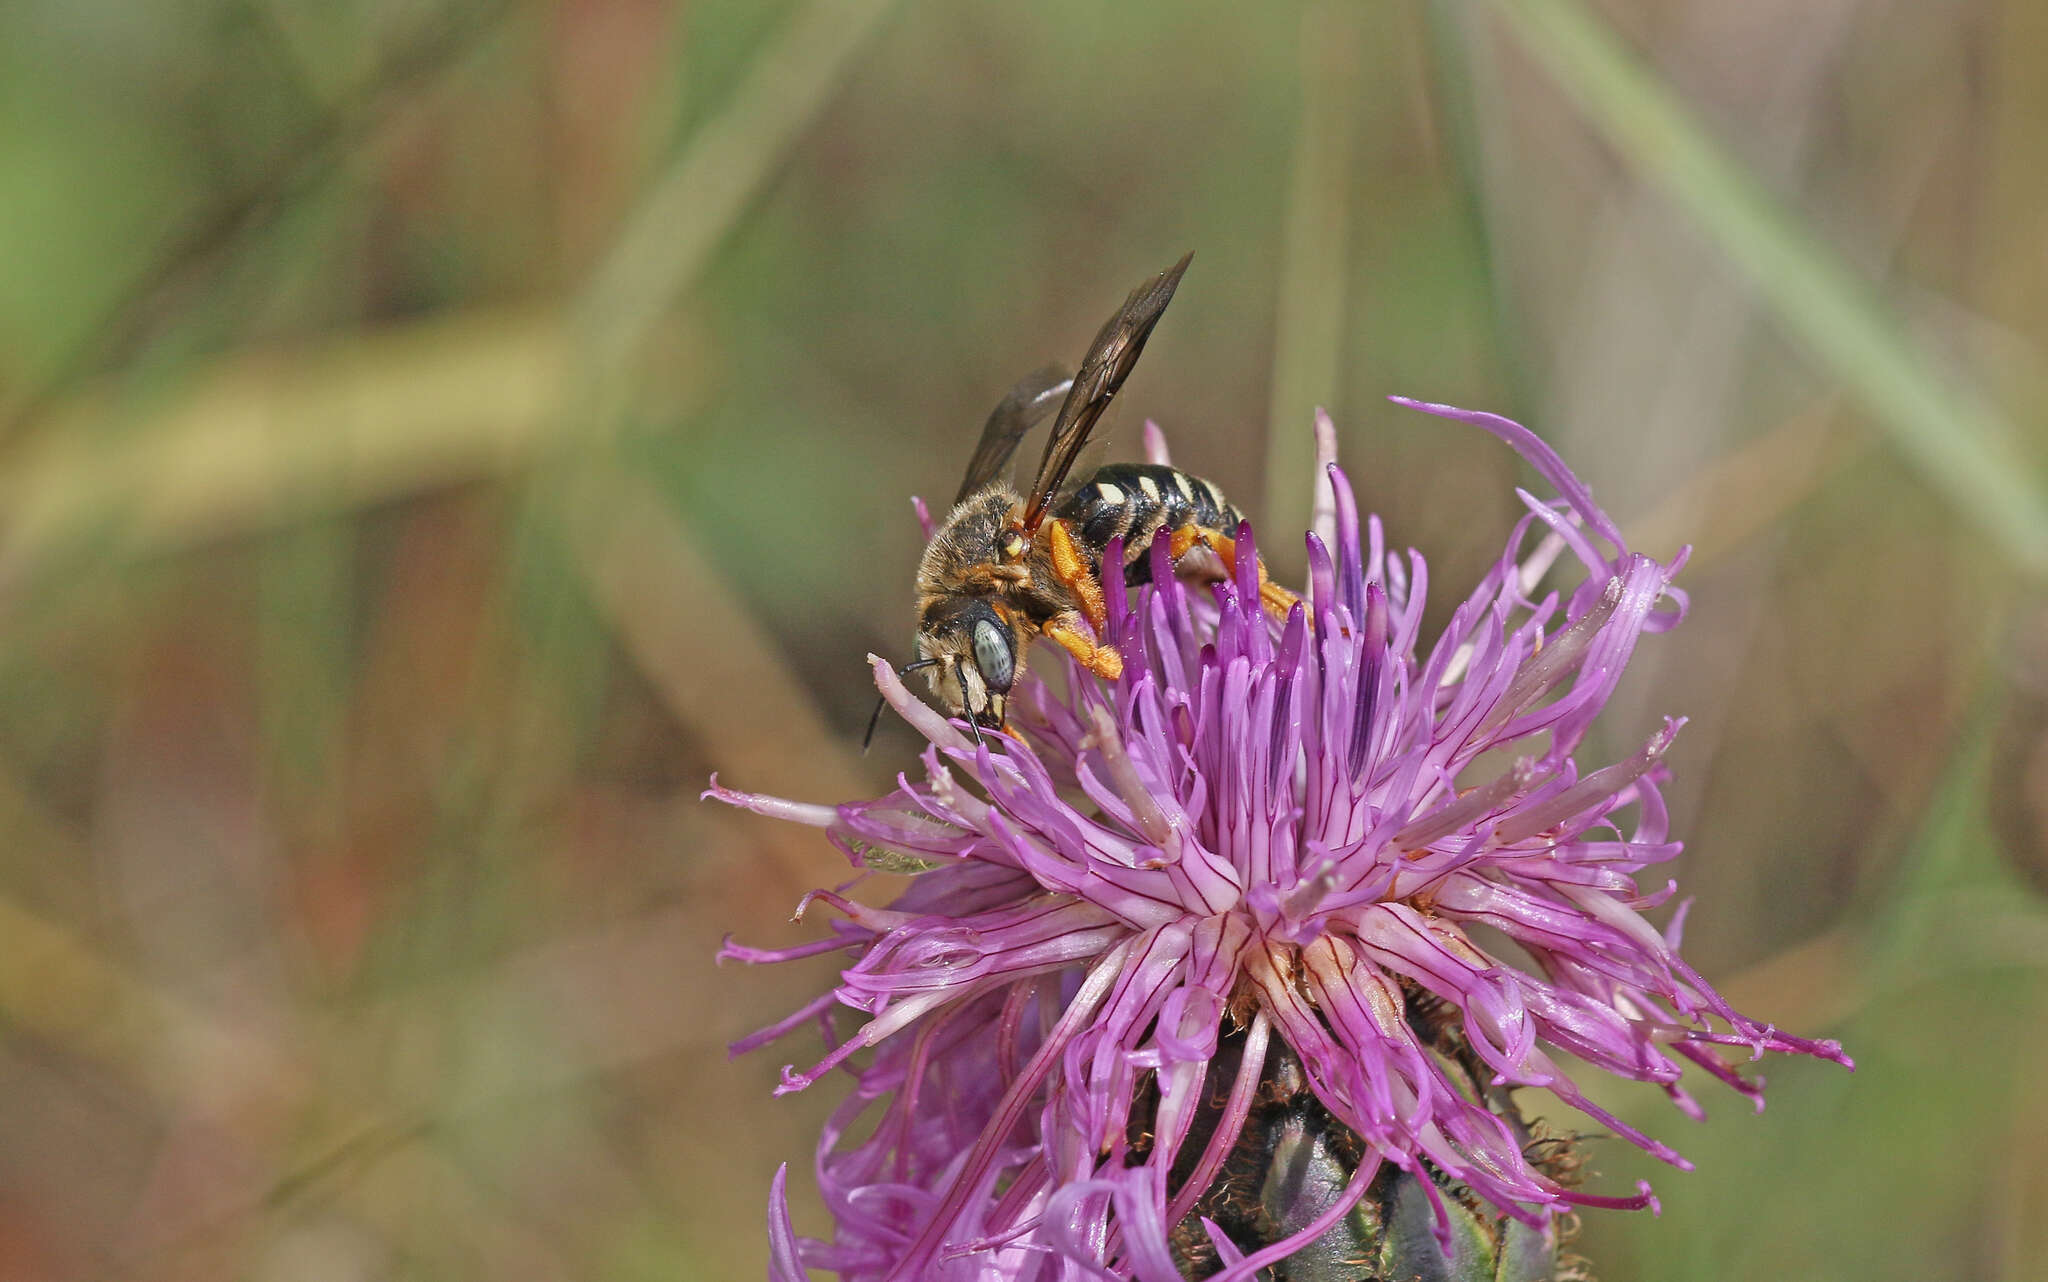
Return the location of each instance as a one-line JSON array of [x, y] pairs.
[[1109, 362], [1030, 400]]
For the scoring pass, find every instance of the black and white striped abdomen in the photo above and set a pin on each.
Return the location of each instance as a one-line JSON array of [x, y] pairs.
[[1136, 501]]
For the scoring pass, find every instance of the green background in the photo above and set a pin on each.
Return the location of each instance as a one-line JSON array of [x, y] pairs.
[[434, 438]]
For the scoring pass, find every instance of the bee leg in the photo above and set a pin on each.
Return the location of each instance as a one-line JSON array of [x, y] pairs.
[[1071, 567], [1277, 600], [1099, 659]]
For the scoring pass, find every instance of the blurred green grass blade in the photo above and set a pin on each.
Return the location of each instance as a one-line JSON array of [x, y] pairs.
[[1458, 63], [1956, 855], [1308, 343], [1955, 437], [699, 197]]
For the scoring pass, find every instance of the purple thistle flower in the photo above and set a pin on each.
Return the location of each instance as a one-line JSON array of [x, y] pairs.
[[1274, 836]]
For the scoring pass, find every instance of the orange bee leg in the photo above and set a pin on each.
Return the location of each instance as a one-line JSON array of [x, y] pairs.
[[1099, 659], [1187, 536], [1071, 567], [1277, 600]]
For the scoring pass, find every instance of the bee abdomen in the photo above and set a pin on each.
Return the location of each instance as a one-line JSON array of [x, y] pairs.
[[1136, 501]]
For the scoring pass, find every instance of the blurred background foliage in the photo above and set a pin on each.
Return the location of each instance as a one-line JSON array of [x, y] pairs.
[[435, 436]]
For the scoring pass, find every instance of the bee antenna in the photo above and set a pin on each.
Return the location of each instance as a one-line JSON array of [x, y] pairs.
[[875, 718], [967, 714]]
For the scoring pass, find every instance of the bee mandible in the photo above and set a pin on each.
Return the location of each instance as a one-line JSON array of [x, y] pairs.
[[1005, 568]]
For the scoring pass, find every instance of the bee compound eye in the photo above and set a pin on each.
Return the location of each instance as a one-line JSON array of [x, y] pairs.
[[992, 654]]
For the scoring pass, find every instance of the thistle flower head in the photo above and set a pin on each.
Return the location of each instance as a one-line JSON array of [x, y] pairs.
[[1283, 841]]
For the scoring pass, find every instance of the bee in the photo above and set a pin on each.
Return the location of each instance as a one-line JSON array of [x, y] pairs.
[[1293, 1159], [1005, 569]]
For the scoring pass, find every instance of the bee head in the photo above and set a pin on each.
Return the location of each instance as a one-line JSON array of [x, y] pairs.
[[974, 658]]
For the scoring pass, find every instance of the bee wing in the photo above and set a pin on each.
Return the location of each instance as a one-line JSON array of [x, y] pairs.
[[1030, 400], [1110, 358]]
